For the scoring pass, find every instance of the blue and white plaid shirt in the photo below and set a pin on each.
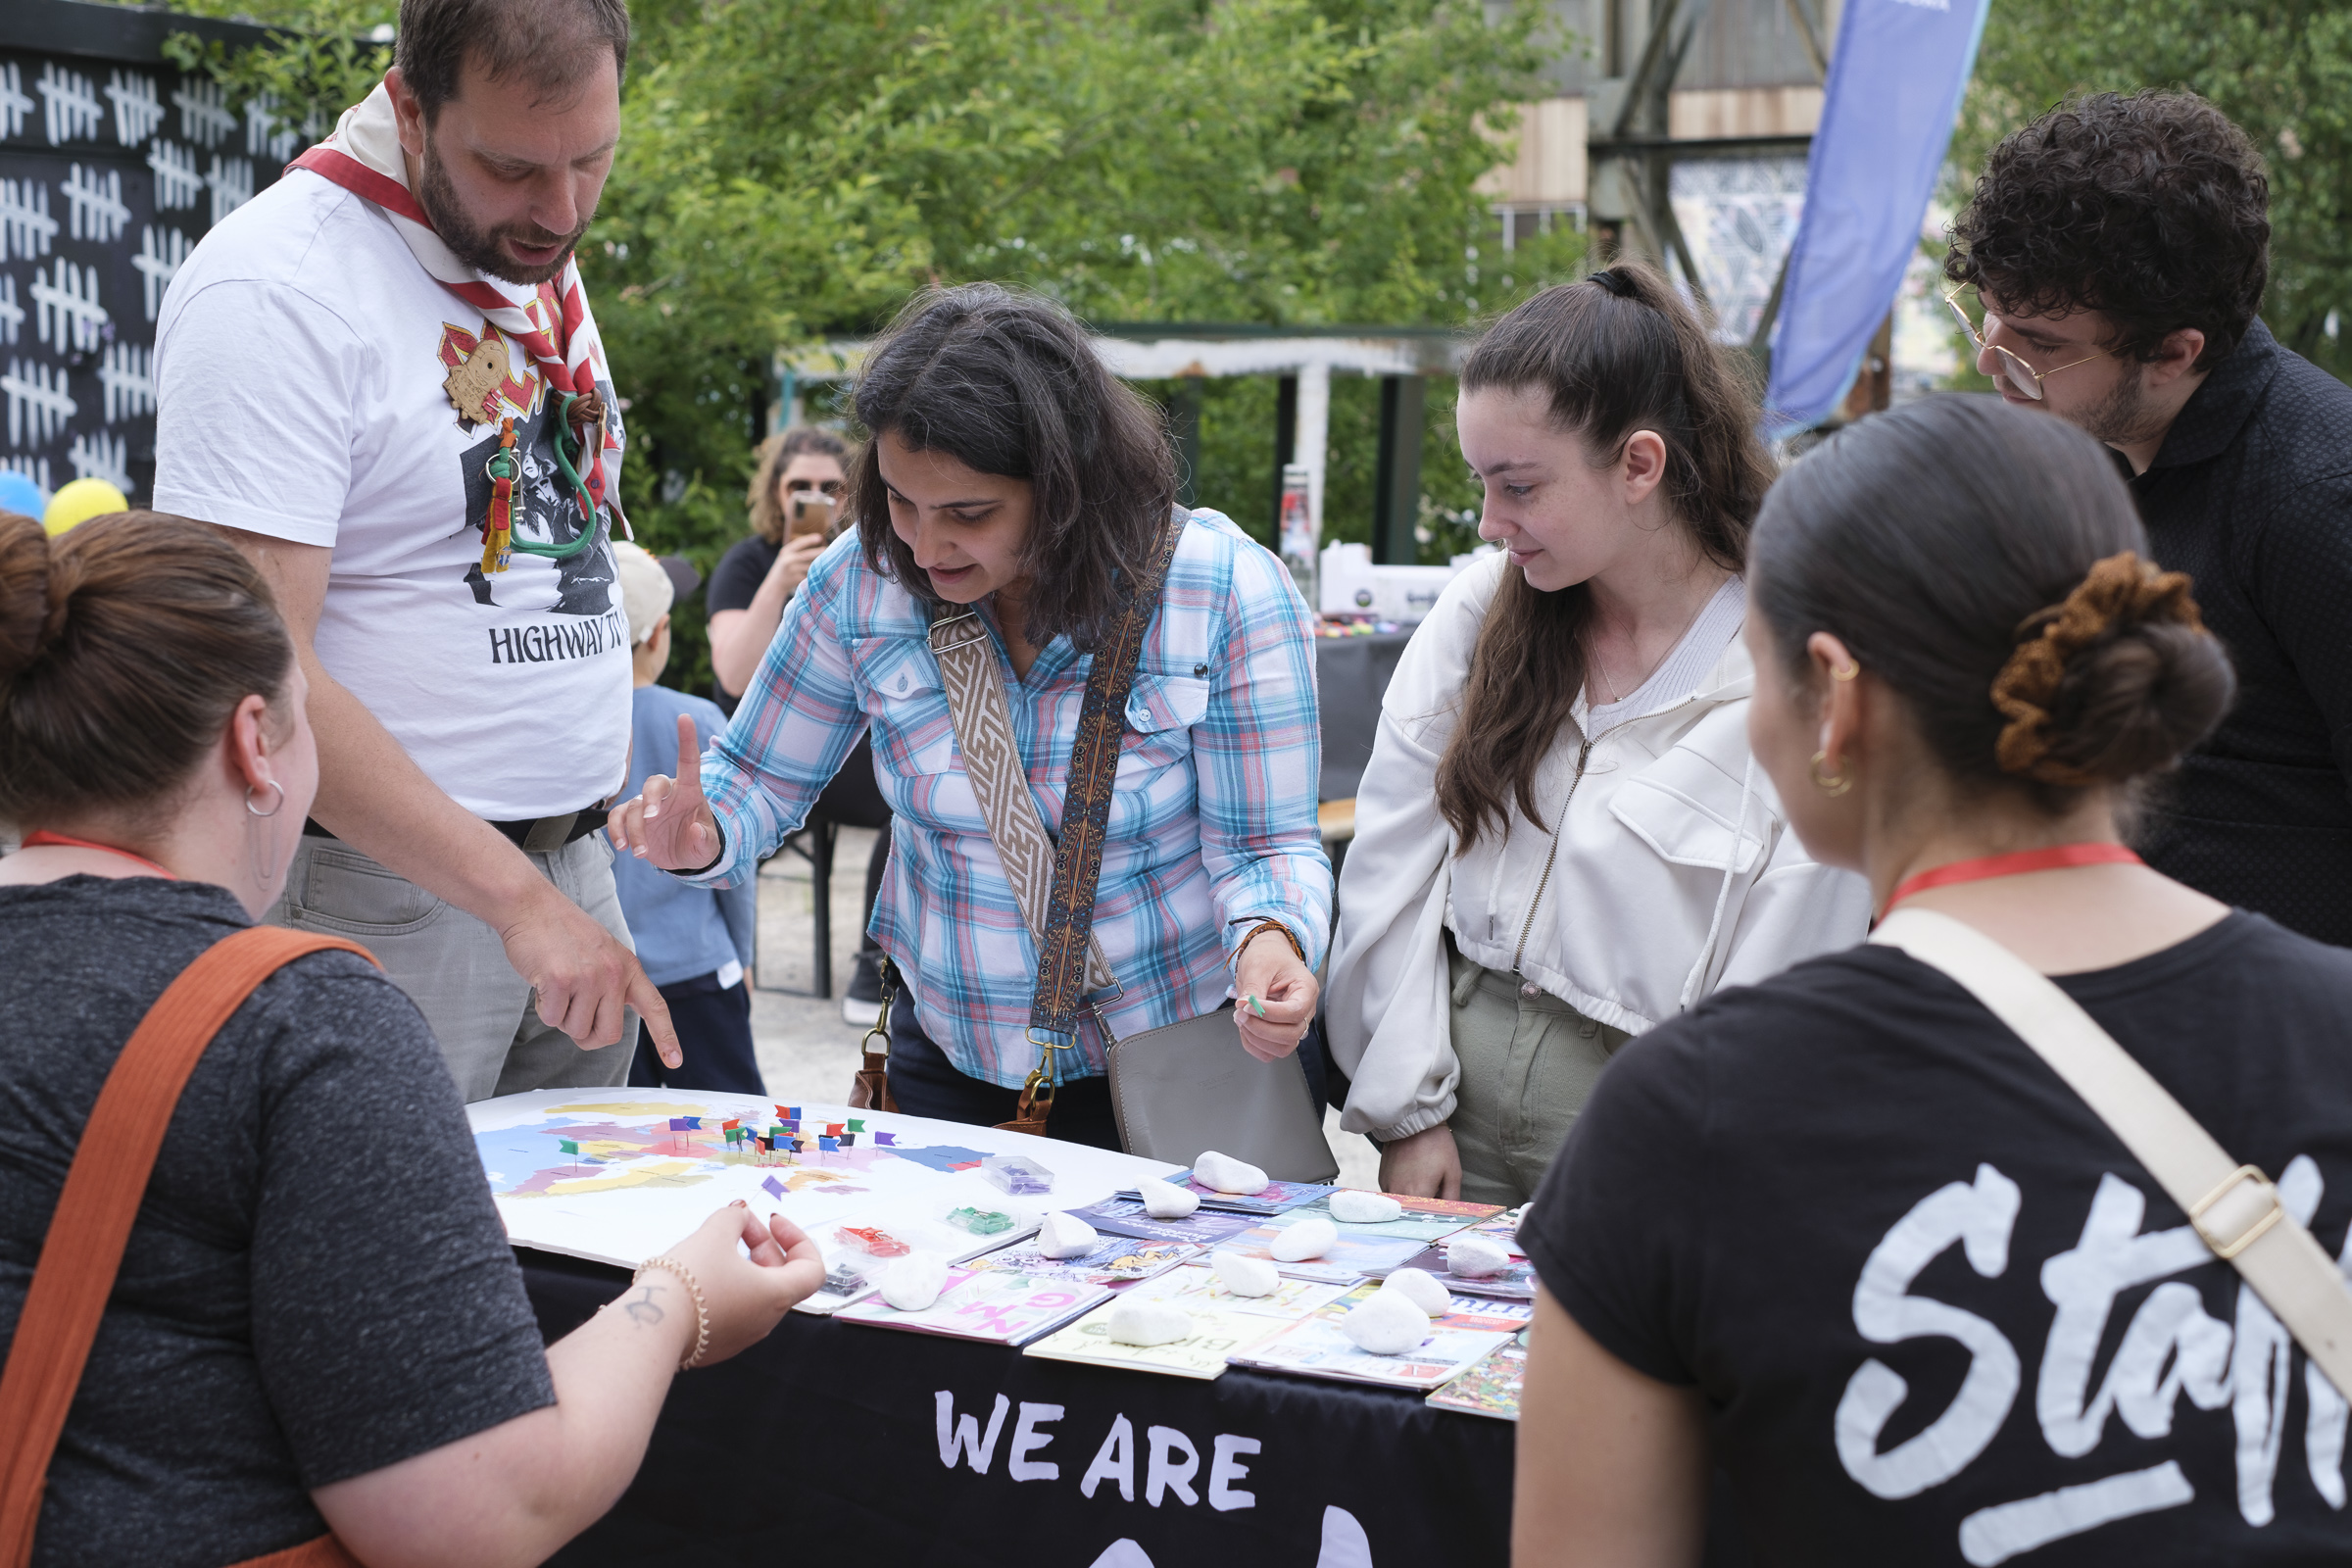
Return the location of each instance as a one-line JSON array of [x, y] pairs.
[[1212, 826]]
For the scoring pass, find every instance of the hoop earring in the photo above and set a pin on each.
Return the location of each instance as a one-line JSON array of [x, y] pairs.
[[1845, 674], [256, 855], [1833, 785]]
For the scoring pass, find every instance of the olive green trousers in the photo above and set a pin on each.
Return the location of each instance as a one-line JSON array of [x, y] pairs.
[[1528, 1065]]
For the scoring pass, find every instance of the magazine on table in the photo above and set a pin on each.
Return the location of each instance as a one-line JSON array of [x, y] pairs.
[[1218, 1331], [1516, 1283], [1275, 1199], [1119, 1260], [1125, 1217], [1316, 1347], [1196, 1288], [1490, 1387], [1349, 1258], [1000, 1305], [1424, 1220]]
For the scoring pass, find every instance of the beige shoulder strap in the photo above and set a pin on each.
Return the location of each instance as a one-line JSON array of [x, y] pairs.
[[2234, 1207], [992, 757]]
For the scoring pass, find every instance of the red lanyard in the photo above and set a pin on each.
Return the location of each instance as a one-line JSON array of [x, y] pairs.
[[2016, 863], [36, 839]]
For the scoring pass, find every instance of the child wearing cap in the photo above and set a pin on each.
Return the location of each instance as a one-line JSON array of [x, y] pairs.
[[693, 942]]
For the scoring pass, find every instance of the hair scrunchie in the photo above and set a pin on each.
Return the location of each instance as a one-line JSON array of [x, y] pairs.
[[2121, 591]]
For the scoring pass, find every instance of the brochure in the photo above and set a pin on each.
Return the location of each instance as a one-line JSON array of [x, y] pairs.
[[1196, 1287], [1119, 1260], [1125, 1217], [1349, 1258], [1004, 1306], [1315, 1346], [1276, 1198], [1424, 1220], [1517, 1283], [1217, 1333], [1492, 1387]]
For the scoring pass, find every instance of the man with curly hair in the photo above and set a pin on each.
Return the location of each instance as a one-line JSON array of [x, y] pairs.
[[2118, 248]]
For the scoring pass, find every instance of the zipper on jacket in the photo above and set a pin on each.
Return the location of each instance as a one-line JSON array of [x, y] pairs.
[[1557, 828]]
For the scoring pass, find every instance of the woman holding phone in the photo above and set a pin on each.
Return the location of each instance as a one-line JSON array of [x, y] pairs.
[[1009, 472], [794, 496]]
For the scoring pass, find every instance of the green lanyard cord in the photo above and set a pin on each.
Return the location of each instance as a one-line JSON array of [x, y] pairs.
[[571, 476]]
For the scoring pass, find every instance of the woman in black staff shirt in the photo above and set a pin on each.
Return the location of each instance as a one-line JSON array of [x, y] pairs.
[[1845, 1235]]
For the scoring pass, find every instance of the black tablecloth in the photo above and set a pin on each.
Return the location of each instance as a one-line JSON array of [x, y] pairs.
[[823, 1444], [1351, 673]]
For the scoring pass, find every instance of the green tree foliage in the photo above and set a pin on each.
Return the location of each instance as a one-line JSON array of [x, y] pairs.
[[789, 173], [2282, 69], [325, 56], [792, 172]]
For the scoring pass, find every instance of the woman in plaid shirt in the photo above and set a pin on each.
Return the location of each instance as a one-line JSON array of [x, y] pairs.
[[1009, 472]]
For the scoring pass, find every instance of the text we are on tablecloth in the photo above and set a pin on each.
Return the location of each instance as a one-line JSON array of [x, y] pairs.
[[1170, 1459]]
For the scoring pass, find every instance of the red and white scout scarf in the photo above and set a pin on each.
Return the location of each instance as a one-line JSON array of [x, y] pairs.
[[552, 322]]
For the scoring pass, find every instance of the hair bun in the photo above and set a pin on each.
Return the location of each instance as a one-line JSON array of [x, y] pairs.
[[2118, 679]]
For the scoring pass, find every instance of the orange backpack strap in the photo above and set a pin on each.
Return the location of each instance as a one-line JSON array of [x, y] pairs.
[[84, 1250]]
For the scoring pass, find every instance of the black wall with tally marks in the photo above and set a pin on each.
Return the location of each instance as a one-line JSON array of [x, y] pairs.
[[113, 164]]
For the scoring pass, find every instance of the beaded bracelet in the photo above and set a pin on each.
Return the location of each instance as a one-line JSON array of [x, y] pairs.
[[701, 1308]]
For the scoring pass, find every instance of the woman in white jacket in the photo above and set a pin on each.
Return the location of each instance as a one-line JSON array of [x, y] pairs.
[[1561, 839]]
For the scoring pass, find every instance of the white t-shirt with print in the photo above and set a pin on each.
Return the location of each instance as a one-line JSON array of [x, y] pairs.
[[299, 364]]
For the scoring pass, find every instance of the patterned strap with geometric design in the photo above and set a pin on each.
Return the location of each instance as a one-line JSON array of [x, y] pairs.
[[1086, 801]]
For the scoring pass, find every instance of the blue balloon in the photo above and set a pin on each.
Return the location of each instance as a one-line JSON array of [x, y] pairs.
[[18, 493]]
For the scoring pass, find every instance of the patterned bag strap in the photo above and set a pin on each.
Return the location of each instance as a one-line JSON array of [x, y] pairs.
[[992, 759], [2235, 1209], [82, 1252], [1085, 817], [1069, 962]]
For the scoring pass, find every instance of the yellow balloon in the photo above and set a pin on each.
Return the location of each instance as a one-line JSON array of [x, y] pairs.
[[79, 502]]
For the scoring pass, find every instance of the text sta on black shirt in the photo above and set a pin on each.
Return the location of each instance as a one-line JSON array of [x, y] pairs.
[[1938, 1312]]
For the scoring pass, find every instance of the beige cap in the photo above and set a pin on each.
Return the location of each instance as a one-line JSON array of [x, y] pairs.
[[646, 590]]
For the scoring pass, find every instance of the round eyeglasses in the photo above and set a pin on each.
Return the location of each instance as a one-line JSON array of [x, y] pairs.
[[2025, 379]]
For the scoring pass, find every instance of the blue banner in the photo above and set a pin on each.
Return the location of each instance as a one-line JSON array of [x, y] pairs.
[[1893, 93]]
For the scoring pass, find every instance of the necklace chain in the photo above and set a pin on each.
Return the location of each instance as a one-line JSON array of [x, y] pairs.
[[1601, 670]]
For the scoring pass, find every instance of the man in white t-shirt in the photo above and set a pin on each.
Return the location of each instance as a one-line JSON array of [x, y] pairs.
[[381, 379]]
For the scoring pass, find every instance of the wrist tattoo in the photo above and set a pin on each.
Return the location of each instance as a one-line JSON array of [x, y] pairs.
[[642, 1311]]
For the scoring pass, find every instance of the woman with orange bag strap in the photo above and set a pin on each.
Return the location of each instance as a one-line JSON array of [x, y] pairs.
[[255, 1302]]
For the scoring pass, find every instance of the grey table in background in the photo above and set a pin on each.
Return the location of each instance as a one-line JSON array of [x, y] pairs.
[[1351, 673]]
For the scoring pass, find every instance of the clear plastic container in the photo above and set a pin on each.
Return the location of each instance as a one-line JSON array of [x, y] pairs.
[[1016, 1174]]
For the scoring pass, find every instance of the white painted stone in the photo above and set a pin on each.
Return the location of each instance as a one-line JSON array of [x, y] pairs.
[[1475, 1258], [1388, 1324], [1312, 1237], [1134, 1322], [1223, 1173], [1352, 1207], [1422, 1289], [1244, 1275], [1066, 1236], [913, 1283], [1166, 1199]]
